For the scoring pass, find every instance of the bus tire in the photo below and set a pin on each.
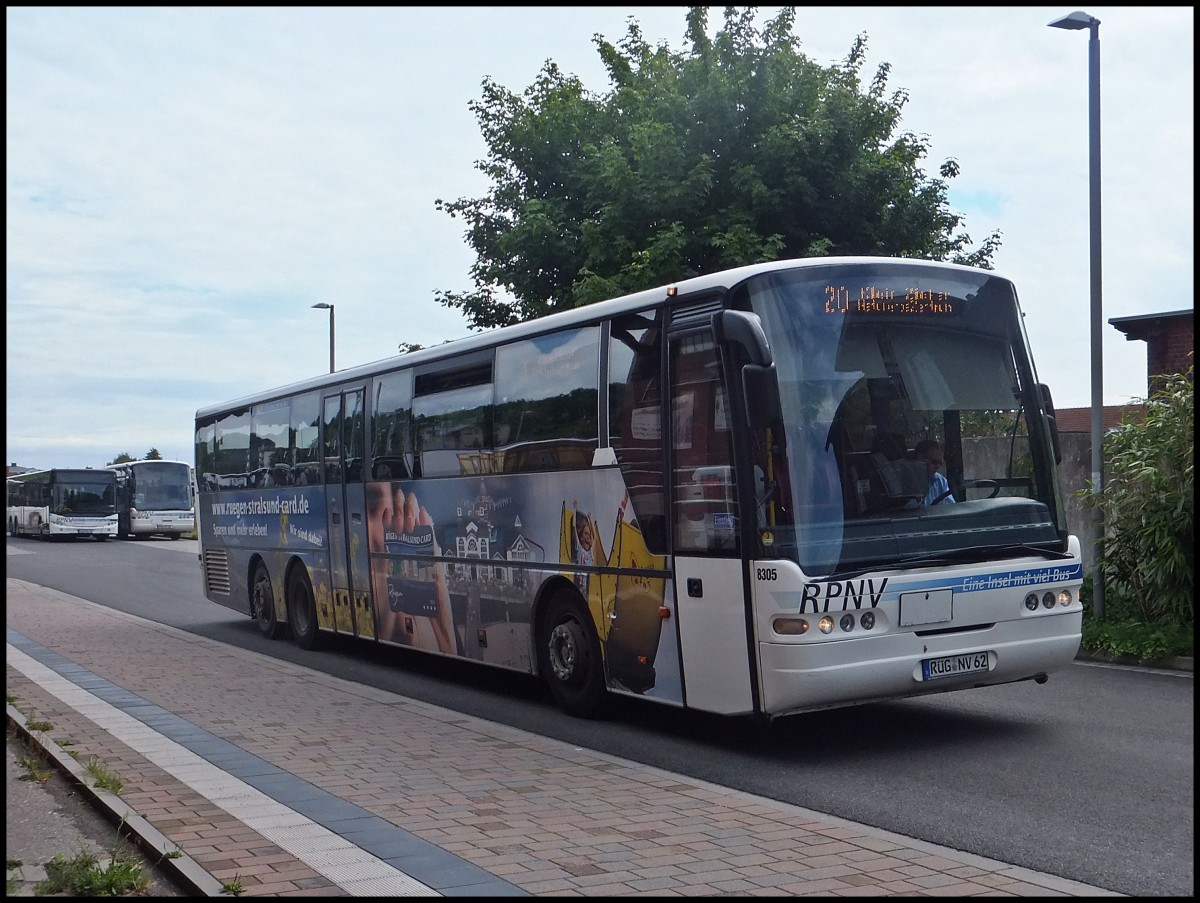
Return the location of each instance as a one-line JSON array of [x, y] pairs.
[[570, 657], [302, 610], [262, 603]]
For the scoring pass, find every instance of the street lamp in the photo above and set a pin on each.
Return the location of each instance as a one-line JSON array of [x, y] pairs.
[[1074, 21], [328, 307]]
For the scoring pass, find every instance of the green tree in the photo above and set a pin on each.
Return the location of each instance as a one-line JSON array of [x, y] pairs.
[[124, 457], [739, 150], [1148, 554]]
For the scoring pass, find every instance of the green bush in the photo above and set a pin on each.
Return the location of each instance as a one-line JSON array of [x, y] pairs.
[[1147, 555], [1123, 632]]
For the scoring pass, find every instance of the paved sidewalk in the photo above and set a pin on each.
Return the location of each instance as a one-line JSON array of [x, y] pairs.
[[266, 779]]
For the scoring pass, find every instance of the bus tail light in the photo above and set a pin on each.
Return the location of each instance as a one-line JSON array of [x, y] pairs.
[[790, 626]]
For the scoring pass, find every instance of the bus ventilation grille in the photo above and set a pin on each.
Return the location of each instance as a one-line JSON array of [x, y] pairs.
[[216, 571]]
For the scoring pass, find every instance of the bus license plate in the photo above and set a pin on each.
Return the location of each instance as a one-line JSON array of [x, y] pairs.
[[954, 665]]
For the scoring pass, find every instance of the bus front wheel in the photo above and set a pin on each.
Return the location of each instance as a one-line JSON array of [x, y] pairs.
[[262, 603], [302, 610], [571, 660]]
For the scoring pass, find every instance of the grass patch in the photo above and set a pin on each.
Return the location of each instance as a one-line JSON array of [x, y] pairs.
[[36, 768], [103, 776], [82, 875], [233, 887]]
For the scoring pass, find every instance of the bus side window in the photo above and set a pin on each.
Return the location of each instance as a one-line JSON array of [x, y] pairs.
[[233, 449], [450, 407], [269, 444], [546, 395], [705, 499], [331, 433], [354, 438], [635, 405], [305, 432], [391, 426]]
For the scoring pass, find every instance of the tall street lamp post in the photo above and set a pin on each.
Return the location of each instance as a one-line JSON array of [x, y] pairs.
[[1074, 21], [328, 307]]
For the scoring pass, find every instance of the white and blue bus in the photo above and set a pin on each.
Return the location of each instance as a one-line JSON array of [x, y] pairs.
[[707, 494], [154, 497], [63, 502]]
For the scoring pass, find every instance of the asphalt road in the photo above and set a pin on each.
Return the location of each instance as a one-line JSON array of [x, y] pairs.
[[1089, 777]]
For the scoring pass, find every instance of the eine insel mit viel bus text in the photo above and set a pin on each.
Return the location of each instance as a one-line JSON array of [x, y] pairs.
[[706, 494]]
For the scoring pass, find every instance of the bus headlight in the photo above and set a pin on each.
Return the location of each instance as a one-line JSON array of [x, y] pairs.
[[1048, 599], [847, 622], [1031, 602], [867, 620], [825, 624], [1064, 597]]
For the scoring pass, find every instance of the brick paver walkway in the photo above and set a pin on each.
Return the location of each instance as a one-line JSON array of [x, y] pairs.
[[278, 780]]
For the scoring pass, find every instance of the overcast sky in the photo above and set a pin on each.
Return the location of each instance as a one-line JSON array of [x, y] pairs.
[[185, 183]]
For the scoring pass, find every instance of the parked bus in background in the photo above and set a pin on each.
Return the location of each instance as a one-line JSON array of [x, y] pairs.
[[63, 502], [154, 497], [706, 494]]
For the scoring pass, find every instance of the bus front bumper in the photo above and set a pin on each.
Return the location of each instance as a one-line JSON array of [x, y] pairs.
[[797, 677]]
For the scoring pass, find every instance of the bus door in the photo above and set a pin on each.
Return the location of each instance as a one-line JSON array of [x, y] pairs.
[[711, 596], [344, 456]]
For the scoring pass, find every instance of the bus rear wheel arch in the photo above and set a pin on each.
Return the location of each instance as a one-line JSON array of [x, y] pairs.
[[262, 602], [302, 609], [569, 656]]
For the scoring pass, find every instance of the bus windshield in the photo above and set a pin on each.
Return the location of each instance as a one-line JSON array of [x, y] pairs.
[[161, 486], [76, 496], [908, 402]]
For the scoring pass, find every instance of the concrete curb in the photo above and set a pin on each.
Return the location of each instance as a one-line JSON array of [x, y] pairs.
[[1171, 663], [167, 855]]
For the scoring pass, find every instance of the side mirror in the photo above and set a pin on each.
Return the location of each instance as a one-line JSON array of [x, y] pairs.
[[737, 327], [760, 387], [1048, 407]]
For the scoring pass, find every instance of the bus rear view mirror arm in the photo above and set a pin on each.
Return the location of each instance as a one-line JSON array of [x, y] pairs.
[[737, 327]]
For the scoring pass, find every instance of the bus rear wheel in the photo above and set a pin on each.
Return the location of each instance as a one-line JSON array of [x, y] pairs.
[[570, 657], [302, 610], [262, 603]]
